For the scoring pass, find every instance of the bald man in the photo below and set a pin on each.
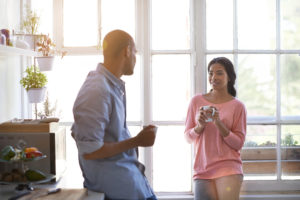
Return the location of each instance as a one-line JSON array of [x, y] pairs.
[[107, 155]]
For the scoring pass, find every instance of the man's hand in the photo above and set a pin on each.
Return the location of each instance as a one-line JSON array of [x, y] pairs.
[[146, 137]]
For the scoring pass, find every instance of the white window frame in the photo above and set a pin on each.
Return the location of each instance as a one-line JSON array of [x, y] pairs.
[[259, 185], [198, 54]]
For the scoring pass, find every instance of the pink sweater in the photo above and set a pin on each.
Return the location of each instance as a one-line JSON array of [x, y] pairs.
[[217, 156]]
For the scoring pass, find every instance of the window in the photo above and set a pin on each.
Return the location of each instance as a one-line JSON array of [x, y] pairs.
[[266, 62], [175, 40]]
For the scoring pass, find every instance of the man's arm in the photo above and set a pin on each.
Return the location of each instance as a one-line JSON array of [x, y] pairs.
[[145, 138]]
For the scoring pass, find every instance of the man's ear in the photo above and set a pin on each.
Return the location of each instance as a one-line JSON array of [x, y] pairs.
[[128, 50]]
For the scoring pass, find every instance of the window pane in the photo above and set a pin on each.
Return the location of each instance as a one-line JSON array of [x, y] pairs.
[[171, 160], [170, 86], [44, 8], [257, 84], [170, 24], [290, 136], [290, 85], [117, 14], [290, 24], [219, 24], [80, 23], [290, 152], [259, 152], [261, 136], [133, 93], [257, 31], [65, 81]]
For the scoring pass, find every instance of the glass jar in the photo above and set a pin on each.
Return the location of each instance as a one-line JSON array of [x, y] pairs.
[[2, 39]]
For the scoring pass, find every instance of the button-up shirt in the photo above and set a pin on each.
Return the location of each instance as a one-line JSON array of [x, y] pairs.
[[99, 117]]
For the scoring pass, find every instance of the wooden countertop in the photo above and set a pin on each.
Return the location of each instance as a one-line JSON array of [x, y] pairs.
[[6, 191]]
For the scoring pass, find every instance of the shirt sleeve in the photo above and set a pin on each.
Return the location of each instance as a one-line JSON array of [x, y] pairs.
[[237, 134], [91, 115], [189, 133]]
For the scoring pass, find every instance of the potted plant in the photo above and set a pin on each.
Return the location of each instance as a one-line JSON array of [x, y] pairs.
[[47, 47], [30, 25], [34, 83]]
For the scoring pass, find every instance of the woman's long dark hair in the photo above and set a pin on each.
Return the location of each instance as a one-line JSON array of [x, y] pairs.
[[227, 64]]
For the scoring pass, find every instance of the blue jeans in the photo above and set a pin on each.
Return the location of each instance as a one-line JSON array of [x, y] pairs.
[[223, 188], [149, 198]]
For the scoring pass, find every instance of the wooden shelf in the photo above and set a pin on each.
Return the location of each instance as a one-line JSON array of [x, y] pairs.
[[14, 51]]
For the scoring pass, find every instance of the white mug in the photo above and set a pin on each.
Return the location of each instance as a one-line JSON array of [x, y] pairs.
[[209, 115]]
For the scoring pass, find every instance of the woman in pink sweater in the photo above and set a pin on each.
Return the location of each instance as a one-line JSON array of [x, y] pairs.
[[218, 173]]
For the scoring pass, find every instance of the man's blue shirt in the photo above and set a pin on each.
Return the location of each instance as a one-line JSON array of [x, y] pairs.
[[99, 117]]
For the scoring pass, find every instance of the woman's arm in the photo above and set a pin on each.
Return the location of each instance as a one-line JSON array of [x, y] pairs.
[[235, 137]]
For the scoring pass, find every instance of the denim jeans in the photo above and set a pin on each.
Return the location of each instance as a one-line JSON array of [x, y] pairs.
[[149, 198], [223, 188]]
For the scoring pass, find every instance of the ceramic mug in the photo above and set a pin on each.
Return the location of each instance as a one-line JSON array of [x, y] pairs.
[[154, 128], [209, 112]]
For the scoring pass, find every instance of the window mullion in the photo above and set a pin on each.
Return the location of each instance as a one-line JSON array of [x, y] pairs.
[[278, 91], [99, 24], [146, 77], [200, 46], [58, 29]]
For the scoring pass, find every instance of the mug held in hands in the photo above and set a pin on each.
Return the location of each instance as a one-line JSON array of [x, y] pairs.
[[209, 112], [152, 127]]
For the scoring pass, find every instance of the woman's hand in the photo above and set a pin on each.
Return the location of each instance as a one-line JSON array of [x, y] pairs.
[[216, 116], [200, 119], [219, 124]]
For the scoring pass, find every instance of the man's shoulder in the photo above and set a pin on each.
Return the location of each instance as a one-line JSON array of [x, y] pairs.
[[97, 82]]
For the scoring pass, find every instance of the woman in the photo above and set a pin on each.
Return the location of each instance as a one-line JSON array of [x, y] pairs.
[[218, 173]]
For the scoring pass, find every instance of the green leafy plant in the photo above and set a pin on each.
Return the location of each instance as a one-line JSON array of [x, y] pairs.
[[289, 140], [31, 21], [47, 47], [34, 78], [250, 144], [268, 144]]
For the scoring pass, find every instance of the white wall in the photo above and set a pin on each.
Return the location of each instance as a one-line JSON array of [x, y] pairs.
[[10, 66]]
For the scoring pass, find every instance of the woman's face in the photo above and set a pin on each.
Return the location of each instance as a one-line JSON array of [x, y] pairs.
[[218, 77]]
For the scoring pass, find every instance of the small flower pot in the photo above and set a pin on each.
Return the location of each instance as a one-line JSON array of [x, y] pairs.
[[45, 63], [31, 40], [36, 95]]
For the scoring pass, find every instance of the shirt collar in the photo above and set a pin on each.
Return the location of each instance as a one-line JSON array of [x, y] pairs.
[[116, 81]]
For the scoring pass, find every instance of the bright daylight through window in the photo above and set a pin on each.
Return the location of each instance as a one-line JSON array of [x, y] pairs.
[[172, 47]]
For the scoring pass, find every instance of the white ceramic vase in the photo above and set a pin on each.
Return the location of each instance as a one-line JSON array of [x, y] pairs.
[[36, 95], [45, 62]]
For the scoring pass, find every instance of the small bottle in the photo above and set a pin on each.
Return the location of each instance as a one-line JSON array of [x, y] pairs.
[[2, 39]]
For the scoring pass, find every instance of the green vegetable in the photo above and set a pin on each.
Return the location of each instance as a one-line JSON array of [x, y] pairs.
[[34, 175], [7, 153]]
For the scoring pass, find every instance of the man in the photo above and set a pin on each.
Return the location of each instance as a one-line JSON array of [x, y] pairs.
[[107, 155]]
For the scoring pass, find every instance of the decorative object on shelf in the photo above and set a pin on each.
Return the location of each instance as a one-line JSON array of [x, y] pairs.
[[6, 33], [47, 47], [30, 26], [34, 83], [18, 41], [2, 38], [48, 109]]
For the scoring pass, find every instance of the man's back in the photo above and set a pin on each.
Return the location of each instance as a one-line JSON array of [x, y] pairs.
[[100, 117]]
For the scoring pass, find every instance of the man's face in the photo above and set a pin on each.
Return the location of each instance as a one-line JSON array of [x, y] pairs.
[[131, 60]]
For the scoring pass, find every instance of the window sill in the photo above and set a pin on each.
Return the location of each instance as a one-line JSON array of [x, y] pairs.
[[291, 195]]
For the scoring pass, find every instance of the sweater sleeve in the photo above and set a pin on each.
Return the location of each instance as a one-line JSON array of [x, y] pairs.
[[237, 134], [189, 133]]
